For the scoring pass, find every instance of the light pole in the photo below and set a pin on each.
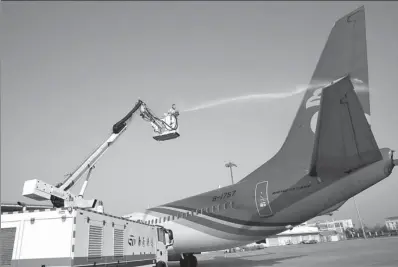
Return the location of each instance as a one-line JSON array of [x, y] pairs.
[[359, 218], [230, 165]]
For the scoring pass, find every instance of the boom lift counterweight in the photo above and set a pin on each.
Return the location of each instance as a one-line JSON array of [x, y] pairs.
[[61, 196]]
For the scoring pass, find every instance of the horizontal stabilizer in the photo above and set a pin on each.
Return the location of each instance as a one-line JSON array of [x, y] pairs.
[[344, 141], [332, 209]]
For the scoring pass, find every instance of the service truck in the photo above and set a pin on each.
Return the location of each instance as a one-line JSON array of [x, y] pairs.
[[76, 231], [79, 237]]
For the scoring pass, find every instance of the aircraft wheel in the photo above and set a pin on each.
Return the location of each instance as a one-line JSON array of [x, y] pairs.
[[189, 261], [194, 261], [183, 262], [161, 264]]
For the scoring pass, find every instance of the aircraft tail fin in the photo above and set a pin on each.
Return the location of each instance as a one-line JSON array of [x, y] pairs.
[[344, 141], [345, 53]]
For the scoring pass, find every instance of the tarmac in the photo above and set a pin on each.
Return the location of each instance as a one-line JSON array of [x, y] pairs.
[[348, 253]]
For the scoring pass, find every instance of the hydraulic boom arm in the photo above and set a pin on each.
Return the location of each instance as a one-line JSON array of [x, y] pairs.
[[60, 194], [117, 130]]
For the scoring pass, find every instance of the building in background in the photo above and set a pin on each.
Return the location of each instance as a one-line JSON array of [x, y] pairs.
[[334, 230], [338, 225], [331, 236], [297, 235], [392, 223]]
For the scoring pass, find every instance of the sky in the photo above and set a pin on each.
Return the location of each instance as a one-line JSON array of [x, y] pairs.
[[70, 70]]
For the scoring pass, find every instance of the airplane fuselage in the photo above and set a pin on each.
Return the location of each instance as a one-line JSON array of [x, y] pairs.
[[229, 216]]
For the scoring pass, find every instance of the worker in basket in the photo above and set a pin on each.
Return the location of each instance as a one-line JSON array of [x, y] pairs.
[[170, 118], [167, 123], [173, 111]]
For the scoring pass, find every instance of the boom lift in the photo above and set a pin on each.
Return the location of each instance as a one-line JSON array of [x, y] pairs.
[[61, 196]]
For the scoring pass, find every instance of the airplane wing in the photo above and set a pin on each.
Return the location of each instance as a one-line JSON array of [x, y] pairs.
[[18, 206], [344, 141]]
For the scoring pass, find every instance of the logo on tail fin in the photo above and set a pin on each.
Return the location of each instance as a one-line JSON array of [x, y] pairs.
[[315, 101]]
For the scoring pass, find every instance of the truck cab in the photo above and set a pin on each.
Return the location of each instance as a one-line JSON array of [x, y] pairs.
[[161, 246]]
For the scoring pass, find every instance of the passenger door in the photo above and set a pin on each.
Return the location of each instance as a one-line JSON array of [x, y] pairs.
[[261, 199]]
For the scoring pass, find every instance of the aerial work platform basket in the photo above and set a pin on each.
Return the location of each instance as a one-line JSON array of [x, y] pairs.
[[169, 128], [165, 128]]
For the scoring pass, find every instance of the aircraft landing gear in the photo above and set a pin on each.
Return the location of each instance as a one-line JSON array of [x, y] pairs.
[[189, 260]]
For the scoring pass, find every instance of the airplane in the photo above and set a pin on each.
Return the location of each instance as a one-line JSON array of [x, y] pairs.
[[328, 156]]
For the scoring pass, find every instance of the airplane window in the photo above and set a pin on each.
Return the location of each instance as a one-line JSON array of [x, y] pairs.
[[156, 221], [178, 215], [172, 218], [164, 219], [226, 205], [168, 218], [232, 205]]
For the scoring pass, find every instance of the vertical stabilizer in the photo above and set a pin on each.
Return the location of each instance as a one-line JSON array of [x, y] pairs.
[[345, 53], [344, 141]]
